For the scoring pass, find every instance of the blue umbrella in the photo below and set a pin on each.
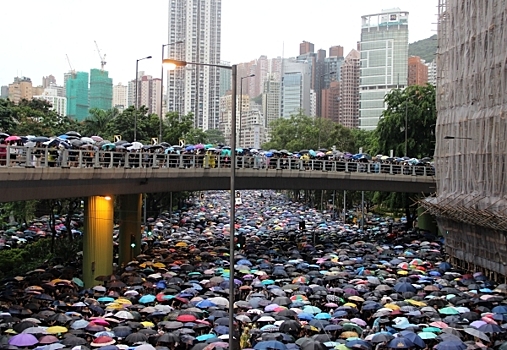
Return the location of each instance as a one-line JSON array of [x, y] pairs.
[[358, 343], [204, 304], [205, 337], [270, 344], [451, 345], [403, 287], [500, 309], [148, 298], [244, 262], [105, 299], [414, 338], [400, 343]]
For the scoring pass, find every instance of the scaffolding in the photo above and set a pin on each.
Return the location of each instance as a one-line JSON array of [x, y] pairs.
[[471, 148]]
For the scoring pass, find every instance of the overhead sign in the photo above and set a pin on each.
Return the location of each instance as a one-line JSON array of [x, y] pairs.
[[117, 138], [182, 142], [154, 140]]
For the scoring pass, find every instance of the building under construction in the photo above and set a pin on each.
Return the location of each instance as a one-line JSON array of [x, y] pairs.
[[471, 149]]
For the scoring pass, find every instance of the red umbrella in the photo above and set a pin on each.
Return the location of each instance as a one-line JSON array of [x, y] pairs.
[[186, 318]]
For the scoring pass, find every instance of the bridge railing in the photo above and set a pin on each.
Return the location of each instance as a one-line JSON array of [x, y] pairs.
[[29, 157]]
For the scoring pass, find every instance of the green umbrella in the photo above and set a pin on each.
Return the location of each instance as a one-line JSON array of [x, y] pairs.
[[78, 282], [448, 311], [427, 335], [432, 329]]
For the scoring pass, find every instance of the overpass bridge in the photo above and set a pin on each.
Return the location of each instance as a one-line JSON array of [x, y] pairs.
[[50, 174], [79, 173]]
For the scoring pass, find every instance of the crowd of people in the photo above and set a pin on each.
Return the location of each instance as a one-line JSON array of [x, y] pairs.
[[303, 280]]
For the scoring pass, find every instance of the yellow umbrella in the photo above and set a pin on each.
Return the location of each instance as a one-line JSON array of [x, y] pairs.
[[348, 334], [350, 304], [159, 265], [56, 330], [148, 324], [416, 303], [114, 306], [356, 298], [402, 272], [181, 244], [392, 306], [123, 301]]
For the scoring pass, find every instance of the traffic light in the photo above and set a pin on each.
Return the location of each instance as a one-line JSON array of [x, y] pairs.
[[238, 194], [202, 196], [133, 241]]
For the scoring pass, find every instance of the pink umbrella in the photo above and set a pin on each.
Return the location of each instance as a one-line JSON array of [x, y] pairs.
[[358, 321], [439, 324], [13, 138]]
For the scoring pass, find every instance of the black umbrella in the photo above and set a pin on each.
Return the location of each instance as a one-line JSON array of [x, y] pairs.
[[290, 326], [169, 337], [73, 341], [122, 331], [136, 338]]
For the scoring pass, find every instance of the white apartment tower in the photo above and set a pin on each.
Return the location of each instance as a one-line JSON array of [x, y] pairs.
[[195, 88], [120, 96]]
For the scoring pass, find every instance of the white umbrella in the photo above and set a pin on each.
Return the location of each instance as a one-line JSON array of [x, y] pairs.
[[135, 146]]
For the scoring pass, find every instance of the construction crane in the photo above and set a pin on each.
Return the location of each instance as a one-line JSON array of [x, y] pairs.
[[72, 71], [102, 58]]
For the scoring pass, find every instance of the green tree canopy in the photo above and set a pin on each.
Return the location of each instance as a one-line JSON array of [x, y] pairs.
[[412, 108]]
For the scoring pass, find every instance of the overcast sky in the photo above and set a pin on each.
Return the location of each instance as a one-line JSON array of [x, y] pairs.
[[37, 34]]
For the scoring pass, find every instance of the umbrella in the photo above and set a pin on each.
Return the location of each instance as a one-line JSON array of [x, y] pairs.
[[476, 333], [23, 340], [400, 343], [270, 344], [451, 345]]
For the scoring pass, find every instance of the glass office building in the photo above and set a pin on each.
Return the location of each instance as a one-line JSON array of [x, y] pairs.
[[384, 57]]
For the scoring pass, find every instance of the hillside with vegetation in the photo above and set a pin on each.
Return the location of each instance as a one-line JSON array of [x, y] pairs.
[[425, 48]]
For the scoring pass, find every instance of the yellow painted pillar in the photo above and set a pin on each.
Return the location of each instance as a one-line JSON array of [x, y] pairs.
[[98, 239], [130, 227]]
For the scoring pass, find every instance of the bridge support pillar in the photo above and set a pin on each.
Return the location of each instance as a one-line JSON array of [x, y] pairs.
[[426, 222], [130, 227], [98, 239]]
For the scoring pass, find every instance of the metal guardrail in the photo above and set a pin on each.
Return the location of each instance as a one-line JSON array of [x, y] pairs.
[[29, 157]]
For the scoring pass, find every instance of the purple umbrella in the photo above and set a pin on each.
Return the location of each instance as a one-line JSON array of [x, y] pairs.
[[271, 307], [23, 339]]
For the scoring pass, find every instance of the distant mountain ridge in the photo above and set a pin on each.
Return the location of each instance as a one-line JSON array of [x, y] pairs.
[[426, 48]]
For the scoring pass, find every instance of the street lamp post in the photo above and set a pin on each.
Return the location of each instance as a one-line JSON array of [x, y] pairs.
[[320, 117], [241, 106], [136, 102], [162, 90], [172, 64], [406, 126]]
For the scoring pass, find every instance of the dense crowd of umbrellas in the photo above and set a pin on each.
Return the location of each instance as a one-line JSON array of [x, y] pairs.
[[74, 140], [329, 286]]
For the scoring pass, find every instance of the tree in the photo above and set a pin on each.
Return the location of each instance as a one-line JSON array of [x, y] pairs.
[[35, 117], [177, 126], [98, 121], [195, 136], [7, 116], [215, 136], [302, 132], [130, 119], [364, 139], [415, 107]]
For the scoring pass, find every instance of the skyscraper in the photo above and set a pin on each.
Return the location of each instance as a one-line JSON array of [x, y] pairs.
[[271, 101], [384, 57], [349, 90], [101, 89], [295, 89], [198, 24], [77, 96]]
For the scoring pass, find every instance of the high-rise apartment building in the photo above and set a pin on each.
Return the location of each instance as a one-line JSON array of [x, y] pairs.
[[77, 96], [432, 72], [198, 24], [20, 89], [120, 95], [253, 132], [148, 93], [47, 81], [261, 74], [306, 47], [52, 94], [101, 89], [331, 101], [384, 55], [417, 71], [349, 90], [336, 51], [270, 101]]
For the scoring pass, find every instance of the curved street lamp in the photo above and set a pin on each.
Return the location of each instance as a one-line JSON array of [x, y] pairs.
[[171, 64]]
